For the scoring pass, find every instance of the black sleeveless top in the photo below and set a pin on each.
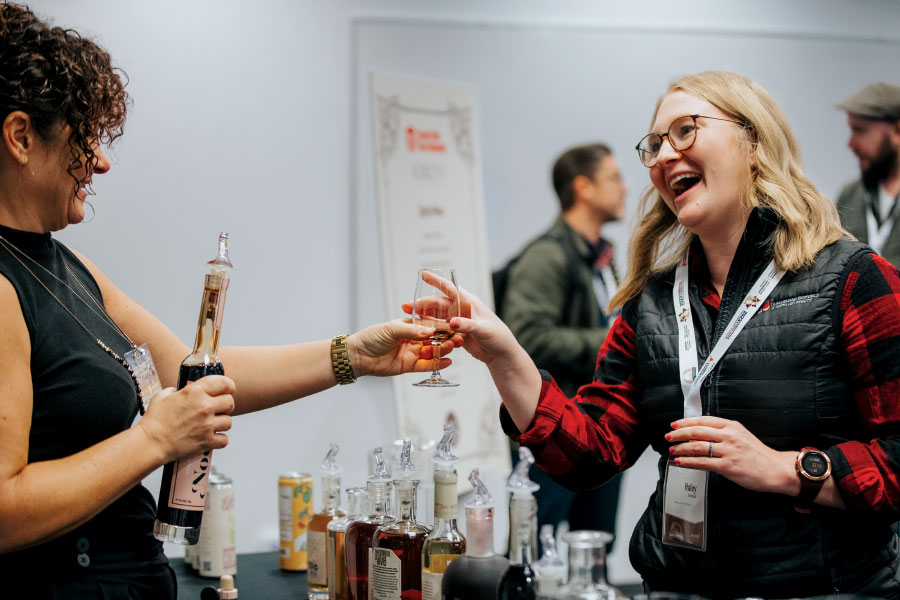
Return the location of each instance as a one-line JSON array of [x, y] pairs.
[[82, 396]]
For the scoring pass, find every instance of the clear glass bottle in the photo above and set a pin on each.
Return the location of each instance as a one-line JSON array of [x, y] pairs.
[[358, 537], [587, 567], [520, 582], [445, 543], [476, 574], [357, 502], [550, 569], [182, 492], [396, 570], [317, 534]]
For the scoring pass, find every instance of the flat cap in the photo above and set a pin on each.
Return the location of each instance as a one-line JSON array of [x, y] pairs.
[[876, 101]]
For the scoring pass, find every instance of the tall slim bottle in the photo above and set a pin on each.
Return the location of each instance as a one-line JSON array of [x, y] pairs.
[[445, 543], [358, 537], [182, 492], [476, 574], [357, 502], [317, 534], [396, 565], [520, 582]]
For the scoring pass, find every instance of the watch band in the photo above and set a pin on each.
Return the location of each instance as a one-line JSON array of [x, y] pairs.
[[340, 360], [810, 485]]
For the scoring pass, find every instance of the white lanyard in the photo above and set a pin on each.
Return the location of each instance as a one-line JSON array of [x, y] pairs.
[[691, 378], [878, 235]]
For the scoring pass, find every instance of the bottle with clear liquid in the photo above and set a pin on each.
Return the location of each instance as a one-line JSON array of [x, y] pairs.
[[357, 502], [520, 581], [358, 537], [317, 533], [476, 574], [396, 567], [550, 569], [587, 567], [445, 543], [182, 493]]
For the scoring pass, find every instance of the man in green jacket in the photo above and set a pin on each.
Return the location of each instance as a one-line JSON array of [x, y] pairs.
[[555, 303], [868, 207]]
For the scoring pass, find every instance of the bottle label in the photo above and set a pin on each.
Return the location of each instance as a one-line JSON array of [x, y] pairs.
[[190, 477], [385, 581], [220, 305], [316, 572], [445, 500], [431, 585]]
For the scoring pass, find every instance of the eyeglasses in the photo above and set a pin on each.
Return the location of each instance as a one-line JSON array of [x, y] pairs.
[[682, 134]]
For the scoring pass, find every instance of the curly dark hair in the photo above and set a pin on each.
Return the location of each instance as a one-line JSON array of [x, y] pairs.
[[59, 78]]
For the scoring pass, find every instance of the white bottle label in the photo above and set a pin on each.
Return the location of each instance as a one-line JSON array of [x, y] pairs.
[[316, 573], [385, 580], [431, 585]]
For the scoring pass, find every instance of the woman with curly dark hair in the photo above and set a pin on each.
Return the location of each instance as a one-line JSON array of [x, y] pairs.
[[74, 520]]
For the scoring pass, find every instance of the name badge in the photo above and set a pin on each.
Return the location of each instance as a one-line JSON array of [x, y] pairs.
[[684, 507], [141, 363]]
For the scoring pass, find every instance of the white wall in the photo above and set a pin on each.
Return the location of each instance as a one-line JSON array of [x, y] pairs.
[[243, 121]]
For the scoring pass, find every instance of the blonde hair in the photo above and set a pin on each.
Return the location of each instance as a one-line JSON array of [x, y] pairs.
[[808, 220]]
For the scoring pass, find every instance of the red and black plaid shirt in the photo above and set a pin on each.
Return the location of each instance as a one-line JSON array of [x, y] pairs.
[[602, 419]]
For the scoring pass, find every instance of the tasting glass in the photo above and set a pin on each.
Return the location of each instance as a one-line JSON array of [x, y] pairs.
[[435, 303]]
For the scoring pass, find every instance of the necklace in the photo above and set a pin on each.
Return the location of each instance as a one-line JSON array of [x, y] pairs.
[[9, 247]]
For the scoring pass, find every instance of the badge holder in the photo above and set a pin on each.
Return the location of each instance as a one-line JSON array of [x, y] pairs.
[[684, 507], [141, 364]]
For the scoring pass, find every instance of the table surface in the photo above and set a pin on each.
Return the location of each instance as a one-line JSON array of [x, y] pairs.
[[258, 576]]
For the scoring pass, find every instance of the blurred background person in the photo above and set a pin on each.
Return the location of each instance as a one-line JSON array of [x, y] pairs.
[[556, 300], [868, 206]]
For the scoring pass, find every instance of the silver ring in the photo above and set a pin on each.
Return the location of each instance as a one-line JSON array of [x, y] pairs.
[[477, 327], [710, 449]]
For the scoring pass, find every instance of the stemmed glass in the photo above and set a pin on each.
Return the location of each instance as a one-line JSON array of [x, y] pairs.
[[435, 303]]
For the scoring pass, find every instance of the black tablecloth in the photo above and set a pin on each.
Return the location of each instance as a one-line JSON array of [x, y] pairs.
[[258, 578]]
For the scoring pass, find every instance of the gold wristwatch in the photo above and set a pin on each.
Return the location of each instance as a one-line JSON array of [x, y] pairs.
[[340, 360]]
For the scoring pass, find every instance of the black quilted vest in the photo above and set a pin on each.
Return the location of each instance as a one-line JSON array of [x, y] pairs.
[[784, 379]]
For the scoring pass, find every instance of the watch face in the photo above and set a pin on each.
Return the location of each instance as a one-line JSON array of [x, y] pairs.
[[814, 463]]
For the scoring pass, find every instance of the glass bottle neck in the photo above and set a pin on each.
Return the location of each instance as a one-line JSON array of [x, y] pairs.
[[379, 500], [331, 488], [523, 529], [406, 500], [479, 531], [445, 497], [209, 324]]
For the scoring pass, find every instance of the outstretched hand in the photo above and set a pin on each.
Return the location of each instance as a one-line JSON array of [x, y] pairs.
[[395, 347], [487, 338]]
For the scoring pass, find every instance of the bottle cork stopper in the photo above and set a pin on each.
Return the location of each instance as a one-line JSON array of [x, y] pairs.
[[227, 591]]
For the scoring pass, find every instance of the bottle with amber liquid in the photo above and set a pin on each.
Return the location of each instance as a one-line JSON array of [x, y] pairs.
[[476, 574], [358, 537], [357, 502], [520, 580], [445, 543], [182, 493], [317, 534], [396, 564]]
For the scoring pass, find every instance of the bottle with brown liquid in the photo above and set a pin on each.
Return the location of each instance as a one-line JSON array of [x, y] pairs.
[[357, 502], [396, 565], [182, 493], [317, 534], [445, 543], [358, 537]]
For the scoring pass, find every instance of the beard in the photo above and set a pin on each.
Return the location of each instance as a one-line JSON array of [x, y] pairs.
[[882, 166]]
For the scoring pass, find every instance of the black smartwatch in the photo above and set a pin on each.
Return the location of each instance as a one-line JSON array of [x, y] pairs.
[[813, 468]]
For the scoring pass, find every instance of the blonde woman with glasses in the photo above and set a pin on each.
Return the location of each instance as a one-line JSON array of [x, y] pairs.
[[755, 354]]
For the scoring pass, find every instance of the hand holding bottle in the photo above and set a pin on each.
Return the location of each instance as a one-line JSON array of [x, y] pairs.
[[192, 419], [395, 347]]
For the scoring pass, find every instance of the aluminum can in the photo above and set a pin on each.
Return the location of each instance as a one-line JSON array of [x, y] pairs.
[[295, 507], [216, 551]]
